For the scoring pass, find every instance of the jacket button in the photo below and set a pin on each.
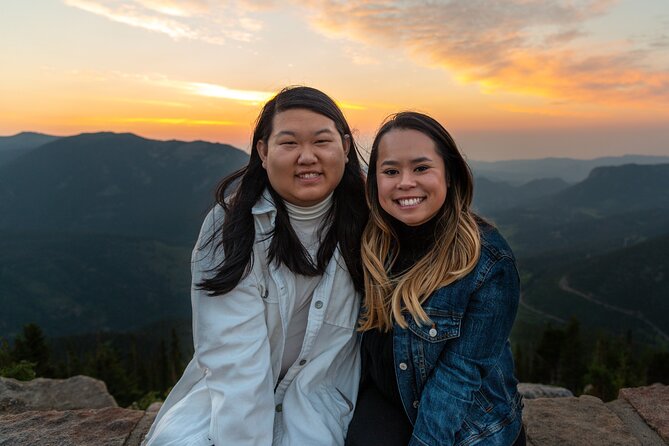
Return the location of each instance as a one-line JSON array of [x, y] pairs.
[[319, 304], [279, 407], [303, 361], [415, 404], [432, 332], [403, 366]]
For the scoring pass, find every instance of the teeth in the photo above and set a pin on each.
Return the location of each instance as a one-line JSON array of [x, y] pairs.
[[309, 175], [409, 201]]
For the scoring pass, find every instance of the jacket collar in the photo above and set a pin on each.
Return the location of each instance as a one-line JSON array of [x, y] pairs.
[[264, 205]]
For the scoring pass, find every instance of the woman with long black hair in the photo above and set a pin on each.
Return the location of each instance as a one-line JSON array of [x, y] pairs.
[[275, 296]]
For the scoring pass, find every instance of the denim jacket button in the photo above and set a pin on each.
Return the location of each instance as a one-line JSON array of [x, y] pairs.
[[319, 304], [403, 366], [415, 404], [279, 408], [432, 332]]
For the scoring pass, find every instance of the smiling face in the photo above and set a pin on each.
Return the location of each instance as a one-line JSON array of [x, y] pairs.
[[410, 176], [304, 156]]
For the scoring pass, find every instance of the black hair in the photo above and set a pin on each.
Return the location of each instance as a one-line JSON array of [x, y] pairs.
[[343, 224]]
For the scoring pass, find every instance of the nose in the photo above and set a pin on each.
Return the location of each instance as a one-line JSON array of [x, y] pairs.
[[406, 181], [307, 155]]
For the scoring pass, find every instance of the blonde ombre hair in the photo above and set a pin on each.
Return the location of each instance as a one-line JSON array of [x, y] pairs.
[[457, 239]]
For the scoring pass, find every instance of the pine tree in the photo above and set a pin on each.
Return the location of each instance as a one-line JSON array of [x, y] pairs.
[[163, 368], [657, 370], [572, 363], [31, 346], [176, 360], [547, 356], [105, 364]]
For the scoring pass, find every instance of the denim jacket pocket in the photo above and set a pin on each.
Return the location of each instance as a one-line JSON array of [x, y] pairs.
[[444, 326]]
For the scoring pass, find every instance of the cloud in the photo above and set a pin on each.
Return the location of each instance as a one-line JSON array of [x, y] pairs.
[[519, 46], [174, 121], [219, 91], [214, 22]]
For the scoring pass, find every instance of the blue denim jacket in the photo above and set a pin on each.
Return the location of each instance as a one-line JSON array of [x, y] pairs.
[[455, 376]]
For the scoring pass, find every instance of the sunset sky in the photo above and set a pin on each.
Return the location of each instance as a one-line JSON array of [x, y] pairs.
[[509, 78]]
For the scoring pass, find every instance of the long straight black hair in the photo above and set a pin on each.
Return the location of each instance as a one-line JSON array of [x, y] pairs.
[[344, 222]]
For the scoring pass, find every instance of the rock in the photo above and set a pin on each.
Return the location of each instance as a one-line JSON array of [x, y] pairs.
[[636, 424], [574, 422], [652, 404], [154, 407], [144, 425], [94, 427], [78, 392], [531, 391]]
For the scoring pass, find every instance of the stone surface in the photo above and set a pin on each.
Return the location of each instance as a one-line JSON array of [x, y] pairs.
[[636, 424], [531, 391], [574, 422], [142, 428], [652, 404], [78, 392], [99, 427]]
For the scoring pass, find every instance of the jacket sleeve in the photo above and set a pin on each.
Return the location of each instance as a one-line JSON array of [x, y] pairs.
[[232, 350], [467, 359]]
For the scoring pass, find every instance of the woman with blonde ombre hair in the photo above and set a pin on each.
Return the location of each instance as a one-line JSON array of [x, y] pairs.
[[441, 294]]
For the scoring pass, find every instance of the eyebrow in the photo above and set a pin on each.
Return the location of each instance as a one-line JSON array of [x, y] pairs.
[[291, 133], [421, 159]]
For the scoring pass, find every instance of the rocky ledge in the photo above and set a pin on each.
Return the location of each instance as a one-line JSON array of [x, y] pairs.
[[79, 412]]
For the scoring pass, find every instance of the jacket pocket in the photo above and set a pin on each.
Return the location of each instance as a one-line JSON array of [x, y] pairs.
[[335, 409], [445, 325]]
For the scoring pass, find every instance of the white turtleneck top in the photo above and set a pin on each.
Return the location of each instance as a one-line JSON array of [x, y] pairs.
[[305, 222]]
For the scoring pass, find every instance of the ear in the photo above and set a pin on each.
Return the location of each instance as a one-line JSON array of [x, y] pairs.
[[346, 141], [261, 148]]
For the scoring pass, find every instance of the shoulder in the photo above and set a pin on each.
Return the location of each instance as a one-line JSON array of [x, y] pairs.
[[212, 221], [494, 246], [496, 254]]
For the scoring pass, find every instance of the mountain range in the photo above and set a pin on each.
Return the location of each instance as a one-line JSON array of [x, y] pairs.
[[12, 147], [96, 231], [108, 183], [517, 172]]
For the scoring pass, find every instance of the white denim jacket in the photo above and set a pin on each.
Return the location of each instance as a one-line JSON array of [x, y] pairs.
[[230, 392]]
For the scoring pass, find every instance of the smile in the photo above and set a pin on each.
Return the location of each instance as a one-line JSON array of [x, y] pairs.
[[410, 201], [309, 175]]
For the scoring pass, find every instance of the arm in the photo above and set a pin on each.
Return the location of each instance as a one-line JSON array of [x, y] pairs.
[[466, 360], [232, 349]]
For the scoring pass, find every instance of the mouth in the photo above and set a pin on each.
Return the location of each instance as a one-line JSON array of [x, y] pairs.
[[409, 201], [308, 175]]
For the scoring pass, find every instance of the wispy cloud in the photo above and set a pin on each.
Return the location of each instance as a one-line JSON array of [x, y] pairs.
[[219, 91], [520, 46], [200, 20], [174, 121]]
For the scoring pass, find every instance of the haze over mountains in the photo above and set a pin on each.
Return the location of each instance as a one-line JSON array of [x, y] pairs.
[[96, 232], [114, 184]]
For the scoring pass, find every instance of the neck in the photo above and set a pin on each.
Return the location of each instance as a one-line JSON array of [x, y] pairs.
[[414, 242], [302, 213]]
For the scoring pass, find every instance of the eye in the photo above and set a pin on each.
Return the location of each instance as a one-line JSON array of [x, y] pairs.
[[323, 141], [287, 143], [421, 168], [390, 172]]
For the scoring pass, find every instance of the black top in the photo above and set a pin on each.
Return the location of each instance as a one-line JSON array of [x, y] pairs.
[[377, 347]]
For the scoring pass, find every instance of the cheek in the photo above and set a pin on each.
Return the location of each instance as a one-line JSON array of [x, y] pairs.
[[442, 192], [383, 194]]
